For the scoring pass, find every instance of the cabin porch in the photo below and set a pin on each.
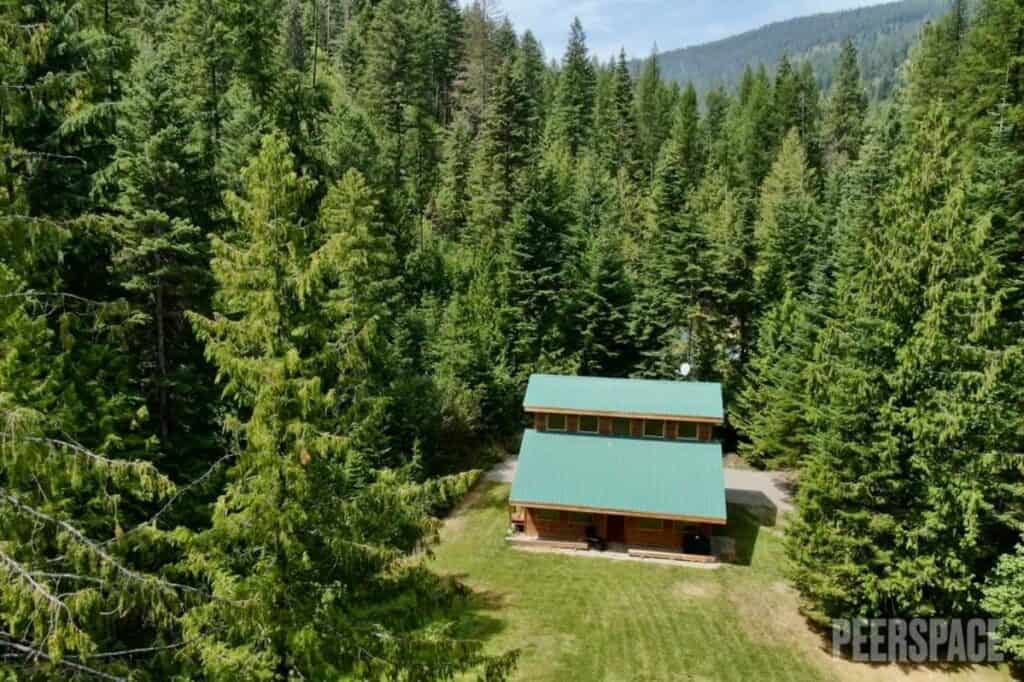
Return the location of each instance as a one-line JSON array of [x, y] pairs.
[[613, 532]]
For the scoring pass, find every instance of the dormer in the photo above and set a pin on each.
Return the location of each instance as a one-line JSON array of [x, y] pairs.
[[625, 408]]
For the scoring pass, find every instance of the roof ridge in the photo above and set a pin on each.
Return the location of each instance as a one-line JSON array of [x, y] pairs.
[[640, 379]]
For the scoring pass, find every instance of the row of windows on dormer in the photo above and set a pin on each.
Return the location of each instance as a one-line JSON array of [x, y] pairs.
[[623, 426]]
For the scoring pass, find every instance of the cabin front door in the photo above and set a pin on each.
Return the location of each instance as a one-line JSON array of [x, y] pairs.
[[616, 530]]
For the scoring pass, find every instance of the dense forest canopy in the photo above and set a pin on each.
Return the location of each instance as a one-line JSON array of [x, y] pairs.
[[273, 275], [883, 35]]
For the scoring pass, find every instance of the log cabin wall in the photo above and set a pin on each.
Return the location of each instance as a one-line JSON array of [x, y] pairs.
[[637, 533], [562, 529]]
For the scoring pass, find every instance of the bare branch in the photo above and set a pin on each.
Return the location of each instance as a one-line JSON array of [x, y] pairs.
[[68, 576], [141, 650], [80, 449], [31, 653], [46, 155], [46, 294], [193, 484], [21, 572], [151, 522]]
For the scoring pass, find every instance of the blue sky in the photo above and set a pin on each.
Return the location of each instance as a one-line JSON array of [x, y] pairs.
[[638, 24]]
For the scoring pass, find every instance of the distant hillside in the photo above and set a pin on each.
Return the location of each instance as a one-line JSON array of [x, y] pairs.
[[883, 35]]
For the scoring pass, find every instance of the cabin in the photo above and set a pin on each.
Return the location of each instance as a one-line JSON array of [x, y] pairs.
[[629, 461]]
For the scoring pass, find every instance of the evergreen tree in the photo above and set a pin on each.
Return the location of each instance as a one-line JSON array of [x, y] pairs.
[[307, 513], [162, 201], [912, 485], [202, 32], [754, 129], [531, 72], [72, 589], [479, 59], [771, 409], [452, 193], [600, 317], [615, 133], [847, 108], [722, 211], [929, 72], [652, 118], [788, 231], [1004, 599], [439, 23], [672, 276], [572, 109], [534, 263]]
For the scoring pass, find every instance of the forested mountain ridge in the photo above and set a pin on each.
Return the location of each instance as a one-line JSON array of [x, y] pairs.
[[272, 275], [883, 35]]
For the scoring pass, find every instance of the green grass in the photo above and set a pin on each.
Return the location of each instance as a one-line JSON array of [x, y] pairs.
[[584, 618]]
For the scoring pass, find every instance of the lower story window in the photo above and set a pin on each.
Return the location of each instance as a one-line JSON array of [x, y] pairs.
[[580, 518], [651, 524], [588, 424], [548, 515]]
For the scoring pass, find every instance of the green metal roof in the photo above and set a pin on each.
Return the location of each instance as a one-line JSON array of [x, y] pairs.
[[623, 474], [637, 396]]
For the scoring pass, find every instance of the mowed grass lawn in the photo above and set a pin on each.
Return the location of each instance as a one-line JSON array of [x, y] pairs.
[[590, 618]]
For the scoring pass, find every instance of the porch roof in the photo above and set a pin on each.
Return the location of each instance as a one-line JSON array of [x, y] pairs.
[[602, 395], [668, 479]]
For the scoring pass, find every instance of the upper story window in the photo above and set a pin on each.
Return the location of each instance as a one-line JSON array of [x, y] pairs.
[[588, 423], [620, 426], [556, 422], [654, 428], [687, 430]]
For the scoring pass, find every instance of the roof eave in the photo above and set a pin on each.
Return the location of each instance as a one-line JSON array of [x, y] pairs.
[[719, 520]]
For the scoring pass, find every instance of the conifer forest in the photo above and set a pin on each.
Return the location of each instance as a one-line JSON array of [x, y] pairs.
[[274, 274]]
